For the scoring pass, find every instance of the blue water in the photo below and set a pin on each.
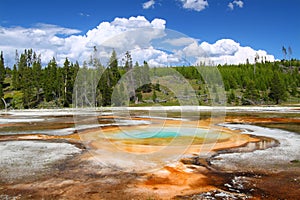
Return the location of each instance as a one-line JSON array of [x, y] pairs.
[[163, 133], [160, 134]]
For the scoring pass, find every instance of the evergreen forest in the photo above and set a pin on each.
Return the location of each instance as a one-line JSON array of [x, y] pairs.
[[29, 84]]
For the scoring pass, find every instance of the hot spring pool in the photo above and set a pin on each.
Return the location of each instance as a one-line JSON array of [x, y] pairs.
[[164, 133]]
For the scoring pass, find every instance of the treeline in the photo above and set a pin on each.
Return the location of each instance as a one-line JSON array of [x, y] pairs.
[[28, 84], [98, 85], [254, 84]]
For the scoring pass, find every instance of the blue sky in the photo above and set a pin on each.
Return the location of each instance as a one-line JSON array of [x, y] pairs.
[[260, 24]]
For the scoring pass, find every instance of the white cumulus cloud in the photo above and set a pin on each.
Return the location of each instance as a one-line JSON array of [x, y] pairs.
[[197, 5], [231, 6], [224, 51], [54, 41], [182, 41], [146, 40], [148, 4], [48, 40], [221, 47], [154, 57], [237, 3]]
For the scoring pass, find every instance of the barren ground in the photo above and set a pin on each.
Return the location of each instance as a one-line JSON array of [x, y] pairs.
[[39, 166]]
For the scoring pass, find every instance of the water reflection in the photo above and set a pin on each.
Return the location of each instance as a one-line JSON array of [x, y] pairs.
[[263, 143]]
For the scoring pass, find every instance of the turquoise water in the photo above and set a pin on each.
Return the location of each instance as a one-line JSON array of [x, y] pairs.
[[163, 133], [147, 134]]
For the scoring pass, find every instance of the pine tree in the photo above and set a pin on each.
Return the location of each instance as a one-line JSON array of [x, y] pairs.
[[107, 89], [284, 52], [2, 68], [278, 89], [50, 81], [1, 97], [37, 73], [231, 97], [2, 76], [290, 54], [113, 65], [130, 76], [128, 61], [25, 77], [251, 94], [67, 83], [15, 77], [75, 70], [145, 78], [137, 75]]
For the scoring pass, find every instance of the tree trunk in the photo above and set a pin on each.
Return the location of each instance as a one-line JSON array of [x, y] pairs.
[[5, 104]]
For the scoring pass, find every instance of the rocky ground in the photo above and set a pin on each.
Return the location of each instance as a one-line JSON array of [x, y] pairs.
[[61, 167]]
